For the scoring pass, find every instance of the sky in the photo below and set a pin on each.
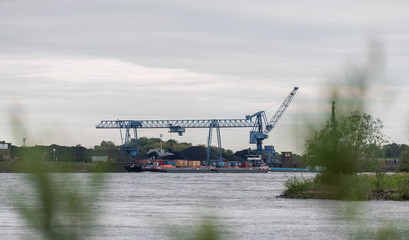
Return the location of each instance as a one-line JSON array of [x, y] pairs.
[[67, 65]]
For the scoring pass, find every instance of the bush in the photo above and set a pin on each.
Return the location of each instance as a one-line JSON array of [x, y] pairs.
[[295, 185], [354, 188], [379, 182], [403, 188], [403, 168]]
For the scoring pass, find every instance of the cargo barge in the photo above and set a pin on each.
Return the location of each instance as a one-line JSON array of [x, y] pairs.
[[135, 168], [254, 164]]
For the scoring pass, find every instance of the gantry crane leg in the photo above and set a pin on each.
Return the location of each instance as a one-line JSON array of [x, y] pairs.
[[214, 124]]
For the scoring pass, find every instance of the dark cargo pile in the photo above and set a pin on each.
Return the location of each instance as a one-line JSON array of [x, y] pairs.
[[239, 156], [196, 153]]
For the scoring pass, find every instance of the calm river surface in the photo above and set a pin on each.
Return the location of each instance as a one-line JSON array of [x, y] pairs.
[[151, 205]]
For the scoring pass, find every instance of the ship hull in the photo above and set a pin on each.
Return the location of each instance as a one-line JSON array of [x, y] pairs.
[[195, 170]]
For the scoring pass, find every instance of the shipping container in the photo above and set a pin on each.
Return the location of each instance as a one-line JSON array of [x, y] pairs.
[[180, 163], [233, 164], [194, 164], [220, 164], [245, 164]]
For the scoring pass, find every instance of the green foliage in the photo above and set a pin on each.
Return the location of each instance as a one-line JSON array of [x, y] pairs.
[[379, 182], [53, 153], [350, 187], [106, 145], [146, 144], [339, 145], [215, 150], [403, 187], [61, 207], [206, 229], [175, 146], [404, 161], [392, 150], [403, 168], [294, 185], [388, 232], [354, 188]]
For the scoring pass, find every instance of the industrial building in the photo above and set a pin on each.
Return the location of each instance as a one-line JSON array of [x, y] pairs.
[[5, 151]]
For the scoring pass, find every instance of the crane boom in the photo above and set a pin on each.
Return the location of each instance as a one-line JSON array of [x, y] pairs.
[[277, 115], [223, 123]]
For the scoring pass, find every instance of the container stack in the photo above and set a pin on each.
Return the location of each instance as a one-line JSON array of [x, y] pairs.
[[194, 164]]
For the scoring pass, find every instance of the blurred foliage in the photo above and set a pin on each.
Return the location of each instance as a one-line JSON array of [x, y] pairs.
[[208, 228], [61, 207], [353, 188], [57, 206]]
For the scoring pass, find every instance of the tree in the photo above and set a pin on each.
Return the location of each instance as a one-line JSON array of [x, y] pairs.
[[392, 150], [105, 145], [404, 161], [341, 143]]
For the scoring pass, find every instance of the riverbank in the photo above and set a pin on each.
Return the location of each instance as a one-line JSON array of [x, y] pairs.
[[16, 167], [379, 186], [59, 167]]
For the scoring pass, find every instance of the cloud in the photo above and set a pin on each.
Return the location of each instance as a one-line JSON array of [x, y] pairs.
[[80, 62], [258, 39]]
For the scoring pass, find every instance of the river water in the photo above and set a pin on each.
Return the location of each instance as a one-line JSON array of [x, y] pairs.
[[243, 206]]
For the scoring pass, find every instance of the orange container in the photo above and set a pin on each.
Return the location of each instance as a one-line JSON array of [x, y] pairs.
[[168, 166]]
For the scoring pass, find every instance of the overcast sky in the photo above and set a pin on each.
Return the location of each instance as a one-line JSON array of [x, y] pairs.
[[66, 65]]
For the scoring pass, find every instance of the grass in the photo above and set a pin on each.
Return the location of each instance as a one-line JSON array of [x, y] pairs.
[[379, 186]]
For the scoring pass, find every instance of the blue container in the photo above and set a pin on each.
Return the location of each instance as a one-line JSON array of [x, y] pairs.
[[173, 163], [220, 164], [166, 162]]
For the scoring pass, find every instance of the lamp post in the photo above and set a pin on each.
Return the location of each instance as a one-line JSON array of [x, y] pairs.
[[161, 135], [54, 150]]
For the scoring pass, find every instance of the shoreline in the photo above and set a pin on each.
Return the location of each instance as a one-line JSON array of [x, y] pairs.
[[84, 167], [360, 187], [66, 167]]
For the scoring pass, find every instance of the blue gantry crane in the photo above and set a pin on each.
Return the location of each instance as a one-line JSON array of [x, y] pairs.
[[261, 127]]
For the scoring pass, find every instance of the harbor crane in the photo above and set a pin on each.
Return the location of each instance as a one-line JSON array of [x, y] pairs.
[[261, 127]]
